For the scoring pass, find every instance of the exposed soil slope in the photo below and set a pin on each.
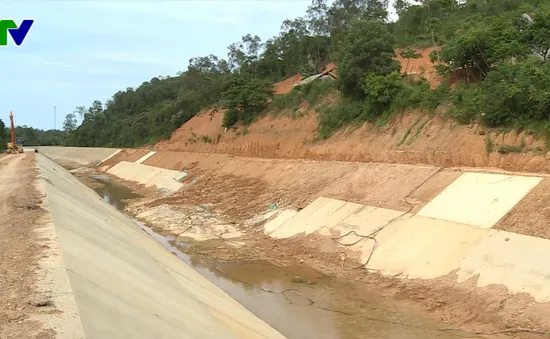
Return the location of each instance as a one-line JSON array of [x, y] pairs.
[[411, 138], [422, 66]]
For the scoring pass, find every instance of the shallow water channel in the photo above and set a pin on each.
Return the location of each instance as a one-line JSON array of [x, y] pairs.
[[297, 301]]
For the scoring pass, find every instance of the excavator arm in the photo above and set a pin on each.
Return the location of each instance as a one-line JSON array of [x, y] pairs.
[[13, 147], [13, 140]]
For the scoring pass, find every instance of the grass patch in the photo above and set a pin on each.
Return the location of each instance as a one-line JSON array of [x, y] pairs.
[[418, 131], [207, 139], [332, 118], [310, 94], [489, 145], [505, 149], [407, 133]]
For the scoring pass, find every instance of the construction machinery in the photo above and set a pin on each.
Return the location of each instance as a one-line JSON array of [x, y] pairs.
[[16, 144]]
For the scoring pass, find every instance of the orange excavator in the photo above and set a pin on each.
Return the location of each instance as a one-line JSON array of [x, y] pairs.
[[15, 145]]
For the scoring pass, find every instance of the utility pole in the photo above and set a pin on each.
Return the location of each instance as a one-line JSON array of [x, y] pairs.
[[54, 119]]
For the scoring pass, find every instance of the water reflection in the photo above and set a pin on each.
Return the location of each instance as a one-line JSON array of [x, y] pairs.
[[113, 193]]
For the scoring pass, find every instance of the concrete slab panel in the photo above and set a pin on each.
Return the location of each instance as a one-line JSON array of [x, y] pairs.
[[145, 157], [365, 221], [414, 246], [279, 220], [54, 282], [164, 179], [329, 213], [125, 284], [110, 156], [421, 247], [479, 199], [77, 155], [292, 226], [518, 261]]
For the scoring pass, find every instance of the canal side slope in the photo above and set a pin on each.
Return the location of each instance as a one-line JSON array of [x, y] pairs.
[[77, 156], [456, 241], [125, 284]]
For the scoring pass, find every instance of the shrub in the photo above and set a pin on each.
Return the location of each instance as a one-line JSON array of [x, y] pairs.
[[466, 103], [381, 90], [516, 94], [334, 117]]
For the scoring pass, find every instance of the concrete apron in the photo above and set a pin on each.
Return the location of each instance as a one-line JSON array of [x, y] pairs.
[[125, 284], [433, 243]]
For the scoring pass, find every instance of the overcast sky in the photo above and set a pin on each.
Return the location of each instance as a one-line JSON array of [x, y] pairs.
[[79, 51]]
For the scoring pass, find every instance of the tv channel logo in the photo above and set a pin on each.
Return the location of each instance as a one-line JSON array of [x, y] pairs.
[[8, 27]]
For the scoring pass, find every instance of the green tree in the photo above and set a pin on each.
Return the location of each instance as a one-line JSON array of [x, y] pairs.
[[69, 125], [481, 46], [380, 91], [252, 45], [3, 136], [537, 33], [401, 7], [244, 99], [318, 22], [516, 94], [366, 48], [432, 25]]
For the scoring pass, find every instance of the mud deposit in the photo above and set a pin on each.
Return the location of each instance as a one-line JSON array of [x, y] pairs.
[[297, 301]]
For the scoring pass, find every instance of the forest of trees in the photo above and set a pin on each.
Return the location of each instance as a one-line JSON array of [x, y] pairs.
[[31, 136], [499, 51]]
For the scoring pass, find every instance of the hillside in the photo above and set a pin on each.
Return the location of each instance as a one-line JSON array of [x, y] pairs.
[[412, 138], [476, 97]]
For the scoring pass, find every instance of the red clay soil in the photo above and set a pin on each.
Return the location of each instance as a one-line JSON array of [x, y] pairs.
[[421, 66], [411, 138], [531, 215], [286, 86]]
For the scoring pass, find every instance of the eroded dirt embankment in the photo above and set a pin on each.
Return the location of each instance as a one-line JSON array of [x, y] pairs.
[[412, 138], [225, 196]]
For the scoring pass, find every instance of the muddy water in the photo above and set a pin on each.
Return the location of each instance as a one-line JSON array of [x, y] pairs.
[[297, 301]]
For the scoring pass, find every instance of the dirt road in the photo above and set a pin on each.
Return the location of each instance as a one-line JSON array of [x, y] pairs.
[[20, 302]]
